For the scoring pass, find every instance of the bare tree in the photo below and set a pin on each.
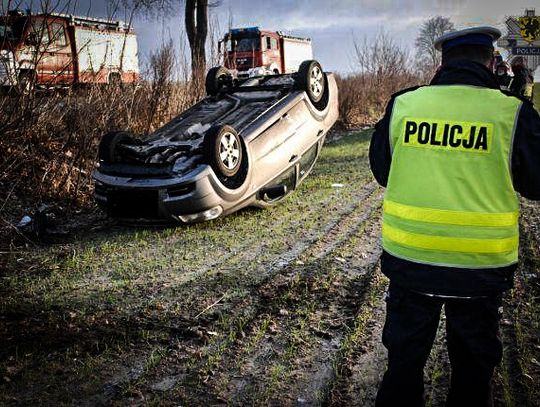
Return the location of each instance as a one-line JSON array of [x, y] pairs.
[[428, 57], [380, 56], [214, 35], [195, 21], [382, 68]]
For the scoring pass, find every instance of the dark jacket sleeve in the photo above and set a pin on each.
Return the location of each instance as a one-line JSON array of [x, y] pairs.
[[518, 83], [526, 153], [380, 156]]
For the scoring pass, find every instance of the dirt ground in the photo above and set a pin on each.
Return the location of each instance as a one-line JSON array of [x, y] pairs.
[[277, 307]]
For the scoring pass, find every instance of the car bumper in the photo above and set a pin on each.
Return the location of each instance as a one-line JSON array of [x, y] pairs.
[[195, 197]]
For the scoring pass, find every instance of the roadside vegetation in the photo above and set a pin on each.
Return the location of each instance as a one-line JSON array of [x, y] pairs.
[[291, 313]]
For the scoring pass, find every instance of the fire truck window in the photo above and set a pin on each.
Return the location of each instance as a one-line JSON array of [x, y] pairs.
[[268, 43], [11, 29], [39, 33], [248, 44], [58, 34], [6, 32], [274, 43]]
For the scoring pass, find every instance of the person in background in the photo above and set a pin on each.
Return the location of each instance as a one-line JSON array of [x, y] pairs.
[[522, 84], [504, 74], [452, 156]]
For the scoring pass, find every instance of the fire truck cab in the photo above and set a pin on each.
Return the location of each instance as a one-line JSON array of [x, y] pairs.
[[250, 52]]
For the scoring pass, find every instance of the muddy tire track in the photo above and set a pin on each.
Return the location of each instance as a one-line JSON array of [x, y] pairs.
[[306, 346], [276, 280]]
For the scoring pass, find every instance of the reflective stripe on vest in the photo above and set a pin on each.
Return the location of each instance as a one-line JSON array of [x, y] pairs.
[[450, 199]]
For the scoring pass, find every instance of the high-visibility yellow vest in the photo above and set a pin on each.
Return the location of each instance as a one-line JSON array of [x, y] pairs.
[[528, 93], [450, 199]]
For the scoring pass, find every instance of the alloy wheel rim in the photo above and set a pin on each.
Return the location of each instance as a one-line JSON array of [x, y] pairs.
[[229, 151], [316, 81]]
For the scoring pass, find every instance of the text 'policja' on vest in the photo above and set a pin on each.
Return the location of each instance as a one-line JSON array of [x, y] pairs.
[[457, 136]]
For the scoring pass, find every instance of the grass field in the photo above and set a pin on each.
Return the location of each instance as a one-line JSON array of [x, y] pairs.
[[276, 307]]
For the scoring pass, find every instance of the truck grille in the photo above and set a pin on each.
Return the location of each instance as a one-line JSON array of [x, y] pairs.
[[244, 63]]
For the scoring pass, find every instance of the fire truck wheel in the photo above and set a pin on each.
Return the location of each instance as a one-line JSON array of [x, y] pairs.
[[217, 78], [108, 147], [115, 79], [27, 81], [224, 151], [312, 79]]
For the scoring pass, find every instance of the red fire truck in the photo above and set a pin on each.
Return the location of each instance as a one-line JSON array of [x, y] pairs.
[[59, 49], [254, 52]]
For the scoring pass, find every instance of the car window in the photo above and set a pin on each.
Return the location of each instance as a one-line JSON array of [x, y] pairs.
[[307, 161], [58, 34]]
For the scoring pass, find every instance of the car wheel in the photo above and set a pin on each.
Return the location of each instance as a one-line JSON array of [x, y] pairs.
[[108, 147], [224, 151], [217, 78], [312, 79]]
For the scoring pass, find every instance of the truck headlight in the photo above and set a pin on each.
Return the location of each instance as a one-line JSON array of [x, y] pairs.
[[257, 72]]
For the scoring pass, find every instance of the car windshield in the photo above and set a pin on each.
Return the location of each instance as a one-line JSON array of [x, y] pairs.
[[246, 44]]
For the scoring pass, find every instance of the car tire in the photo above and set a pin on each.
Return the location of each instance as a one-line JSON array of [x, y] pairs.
[[108, 147], [311, 79], [217, 79], [225, 153]]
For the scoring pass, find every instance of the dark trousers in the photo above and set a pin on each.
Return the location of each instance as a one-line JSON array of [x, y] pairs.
[[474, 348]]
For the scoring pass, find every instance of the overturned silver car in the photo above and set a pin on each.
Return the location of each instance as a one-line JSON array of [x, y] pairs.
[[249, 143]]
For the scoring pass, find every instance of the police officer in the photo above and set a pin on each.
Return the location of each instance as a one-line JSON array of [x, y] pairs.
[[452, 156]]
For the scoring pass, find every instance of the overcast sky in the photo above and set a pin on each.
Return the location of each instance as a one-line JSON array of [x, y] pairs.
[[332, 24]]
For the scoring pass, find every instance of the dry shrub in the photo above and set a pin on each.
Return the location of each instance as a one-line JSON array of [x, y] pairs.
[[383, 69]]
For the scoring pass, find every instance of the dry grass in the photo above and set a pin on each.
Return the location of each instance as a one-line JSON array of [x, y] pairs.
[[49, 138], [363, 97]]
